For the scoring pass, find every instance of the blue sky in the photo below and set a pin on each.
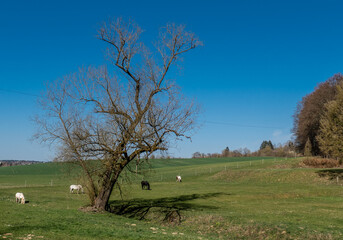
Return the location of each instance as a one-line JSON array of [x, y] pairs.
[[258, 60]]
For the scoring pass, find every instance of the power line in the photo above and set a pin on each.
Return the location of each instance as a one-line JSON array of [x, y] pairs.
[[210, 122], [19, 92], [243, 125]]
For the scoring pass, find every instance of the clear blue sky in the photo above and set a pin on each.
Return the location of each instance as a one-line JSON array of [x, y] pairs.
[[258, 60]]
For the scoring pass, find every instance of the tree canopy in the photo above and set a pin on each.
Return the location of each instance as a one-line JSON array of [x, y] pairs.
[[330, 137], [308, 148], [309, 112], [264, 144]]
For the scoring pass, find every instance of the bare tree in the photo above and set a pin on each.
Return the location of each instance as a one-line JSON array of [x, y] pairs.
[[116, 115]]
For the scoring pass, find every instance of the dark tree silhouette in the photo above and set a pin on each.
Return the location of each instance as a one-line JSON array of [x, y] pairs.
[[264, 144]]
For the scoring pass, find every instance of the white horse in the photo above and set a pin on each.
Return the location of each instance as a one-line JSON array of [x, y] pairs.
[[78, 188], [178, 179], [19, 198]]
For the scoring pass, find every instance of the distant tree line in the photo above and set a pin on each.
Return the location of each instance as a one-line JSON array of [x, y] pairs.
[[266, 149], [318, 120], [7, 163]]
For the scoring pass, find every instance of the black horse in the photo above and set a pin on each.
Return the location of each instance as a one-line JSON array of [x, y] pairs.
[[145, 185]]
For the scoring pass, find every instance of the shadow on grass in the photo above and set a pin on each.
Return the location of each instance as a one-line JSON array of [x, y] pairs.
[[331, 173], [167, 209]]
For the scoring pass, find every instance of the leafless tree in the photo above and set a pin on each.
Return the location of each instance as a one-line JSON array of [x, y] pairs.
[[115, 115]]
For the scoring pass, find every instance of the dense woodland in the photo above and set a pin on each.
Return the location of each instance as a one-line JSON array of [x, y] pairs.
[[318, 120]]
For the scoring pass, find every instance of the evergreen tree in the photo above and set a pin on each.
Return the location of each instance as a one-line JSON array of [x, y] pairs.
[[271, 145], [330, 136], [308, 148], [309, 112], [264, 144], [226, 152]]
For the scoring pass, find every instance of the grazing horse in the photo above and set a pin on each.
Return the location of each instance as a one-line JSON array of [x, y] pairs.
[[78, 188], [145, 185], [19, 198], [178, 179]]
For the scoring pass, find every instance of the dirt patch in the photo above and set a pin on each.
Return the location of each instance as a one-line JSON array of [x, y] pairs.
[[90, 209]]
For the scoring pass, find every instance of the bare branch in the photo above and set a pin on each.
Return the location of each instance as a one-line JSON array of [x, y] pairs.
[[113, 116]]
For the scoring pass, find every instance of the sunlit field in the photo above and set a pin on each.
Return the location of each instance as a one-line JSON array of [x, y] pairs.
[[224, 198]]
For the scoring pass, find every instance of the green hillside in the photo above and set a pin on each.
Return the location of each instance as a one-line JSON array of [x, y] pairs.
[[34, 169], [232, 198]]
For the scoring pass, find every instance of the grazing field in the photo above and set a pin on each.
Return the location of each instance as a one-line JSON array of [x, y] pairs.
[[228, 198]]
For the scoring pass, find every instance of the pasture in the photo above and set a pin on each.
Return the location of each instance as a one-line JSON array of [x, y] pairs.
[[228, 198]]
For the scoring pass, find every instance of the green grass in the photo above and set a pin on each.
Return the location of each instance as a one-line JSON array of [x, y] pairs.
[[232, 198]]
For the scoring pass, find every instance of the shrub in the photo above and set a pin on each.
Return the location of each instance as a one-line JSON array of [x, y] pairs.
[[318, 162]]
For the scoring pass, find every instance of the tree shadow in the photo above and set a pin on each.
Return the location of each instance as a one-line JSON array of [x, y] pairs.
[[166, 209], [331, 173]]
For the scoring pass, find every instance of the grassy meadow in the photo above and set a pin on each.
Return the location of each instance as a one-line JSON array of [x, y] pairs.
[[227, 198]]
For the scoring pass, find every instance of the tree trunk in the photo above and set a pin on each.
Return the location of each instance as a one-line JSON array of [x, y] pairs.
[[101, 201]]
